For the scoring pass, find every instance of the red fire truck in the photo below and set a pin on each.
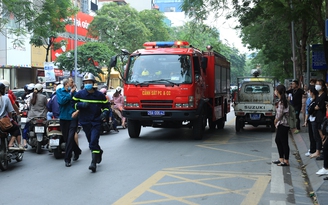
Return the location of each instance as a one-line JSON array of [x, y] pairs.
[[172, 84]]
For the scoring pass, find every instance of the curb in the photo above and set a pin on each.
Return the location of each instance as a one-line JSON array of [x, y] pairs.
[[319, 186]]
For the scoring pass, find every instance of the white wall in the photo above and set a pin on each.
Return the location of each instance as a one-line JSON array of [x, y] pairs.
[[139, 4]]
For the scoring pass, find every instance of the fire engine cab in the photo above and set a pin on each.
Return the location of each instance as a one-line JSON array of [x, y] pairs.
[[172, 84]]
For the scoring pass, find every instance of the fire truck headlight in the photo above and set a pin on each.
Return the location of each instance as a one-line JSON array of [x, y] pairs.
[[131, 104], [185, 105], [178, 105]]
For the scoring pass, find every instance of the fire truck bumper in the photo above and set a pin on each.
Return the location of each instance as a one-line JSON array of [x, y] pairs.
[[166, 115]]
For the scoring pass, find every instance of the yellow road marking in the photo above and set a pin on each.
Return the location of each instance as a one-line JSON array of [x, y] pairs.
[[139, 190], [255, 194]]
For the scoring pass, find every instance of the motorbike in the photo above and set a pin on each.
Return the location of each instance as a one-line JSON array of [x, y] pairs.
[[117, 118], [6, 155], [56, 139], [37, 134]]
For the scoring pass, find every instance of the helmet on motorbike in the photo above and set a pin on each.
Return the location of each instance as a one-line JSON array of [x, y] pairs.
[[2, 88], [5, 82], [30, 86], [103, 90], [118, 89], [38, 87], [89, 76]]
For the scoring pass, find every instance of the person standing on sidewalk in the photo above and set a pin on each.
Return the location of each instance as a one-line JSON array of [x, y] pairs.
[[320, 108], [68, 125], [296, 100], [282, 113], [324, 169], [308, 123], [92, 108]]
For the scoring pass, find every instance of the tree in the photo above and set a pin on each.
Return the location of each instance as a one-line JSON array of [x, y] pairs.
[[92, 56], [49, 21], [154, 22], [119, 26]]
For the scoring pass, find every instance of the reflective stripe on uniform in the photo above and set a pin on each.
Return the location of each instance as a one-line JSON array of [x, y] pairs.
[[90, 101], [96, 151]]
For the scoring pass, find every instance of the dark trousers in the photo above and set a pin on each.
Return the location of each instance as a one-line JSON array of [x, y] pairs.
[[282, 142], [316, 135], [298, 121], [325, 154], [92, 132], [68, 128], [313, 146]]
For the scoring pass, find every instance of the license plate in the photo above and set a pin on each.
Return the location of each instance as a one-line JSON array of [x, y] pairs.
[[255, 116], [23, 119], [54, 142], [156, 112], [39, 129]]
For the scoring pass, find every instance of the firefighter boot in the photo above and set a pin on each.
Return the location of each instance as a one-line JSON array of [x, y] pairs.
[[93, 165], [99, 156]]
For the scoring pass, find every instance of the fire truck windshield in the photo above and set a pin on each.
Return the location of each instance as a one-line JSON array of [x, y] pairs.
[[159, 69]]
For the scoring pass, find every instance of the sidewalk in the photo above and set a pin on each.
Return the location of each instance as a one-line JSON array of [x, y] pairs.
[[318, 184]]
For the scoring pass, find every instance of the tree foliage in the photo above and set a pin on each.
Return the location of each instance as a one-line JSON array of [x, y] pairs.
[[91, 57]]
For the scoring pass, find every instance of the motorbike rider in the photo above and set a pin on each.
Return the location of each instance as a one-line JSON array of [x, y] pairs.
[[10, 95], [110, 113], [92, 109], [6, 110], [68, 125], [38, 107], [118, 100]]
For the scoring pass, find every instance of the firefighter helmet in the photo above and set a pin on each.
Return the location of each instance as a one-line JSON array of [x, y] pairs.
[[89, 76]]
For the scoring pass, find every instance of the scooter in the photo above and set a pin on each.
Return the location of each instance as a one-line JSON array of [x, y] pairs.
[[7, 155], [56, 139], [117, 118], [37, 133]]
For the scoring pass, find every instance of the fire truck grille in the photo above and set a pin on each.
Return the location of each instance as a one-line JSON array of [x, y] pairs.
[[156, 104]]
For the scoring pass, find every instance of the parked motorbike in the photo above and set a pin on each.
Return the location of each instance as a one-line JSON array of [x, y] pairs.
[[37, 133], [56, 139], [7, 155]]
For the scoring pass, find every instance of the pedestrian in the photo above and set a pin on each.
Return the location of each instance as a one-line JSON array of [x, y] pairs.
[[92, 109], [53, 106], [296, 100], [313, 124], [304, 98], [281, 123], [308, 123], [324, 169], [320, 108], [68, 125]]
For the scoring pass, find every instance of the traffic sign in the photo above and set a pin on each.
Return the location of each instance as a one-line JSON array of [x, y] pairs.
[[318, 57]]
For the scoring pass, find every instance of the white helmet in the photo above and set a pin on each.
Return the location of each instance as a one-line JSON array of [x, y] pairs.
[[5, 82], [89, 76], [38, 87], [118, 89], [30, 86]]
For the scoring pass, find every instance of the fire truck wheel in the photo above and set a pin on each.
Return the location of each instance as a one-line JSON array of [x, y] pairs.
[[238, 124], [211, 124], [220, 123], [199, 126], [134, 128]]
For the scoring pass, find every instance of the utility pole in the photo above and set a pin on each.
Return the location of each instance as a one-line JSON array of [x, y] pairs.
[[75, 46], [294, 58]]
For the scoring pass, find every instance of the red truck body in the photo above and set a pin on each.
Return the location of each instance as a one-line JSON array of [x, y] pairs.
[[170, 84]]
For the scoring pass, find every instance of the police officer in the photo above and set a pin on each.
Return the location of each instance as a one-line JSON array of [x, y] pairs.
[[92, 109]]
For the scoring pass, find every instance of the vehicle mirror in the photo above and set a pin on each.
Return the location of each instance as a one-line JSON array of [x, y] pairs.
[[204, 64], [113, 61]]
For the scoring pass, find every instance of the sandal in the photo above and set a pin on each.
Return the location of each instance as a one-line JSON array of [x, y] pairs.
[[314, 156], [276, 162], [283, 164]]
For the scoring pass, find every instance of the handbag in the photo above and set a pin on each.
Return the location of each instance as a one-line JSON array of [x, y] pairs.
[[5, 124]]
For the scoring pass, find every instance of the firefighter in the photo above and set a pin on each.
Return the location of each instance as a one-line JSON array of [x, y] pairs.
[[92, 109]]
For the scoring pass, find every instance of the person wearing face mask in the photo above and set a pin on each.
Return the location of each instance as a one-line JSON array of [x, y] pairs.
[[297, 94], [92, 108], [320, 108], [68, 125]]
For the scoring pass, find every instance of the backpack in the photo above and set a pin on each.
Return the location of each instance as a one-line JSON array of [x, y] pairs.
[[291, 119]]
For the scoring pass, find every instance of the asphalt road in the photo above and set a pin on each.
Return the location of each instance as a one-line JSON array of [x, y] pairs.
[[163, 166]]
